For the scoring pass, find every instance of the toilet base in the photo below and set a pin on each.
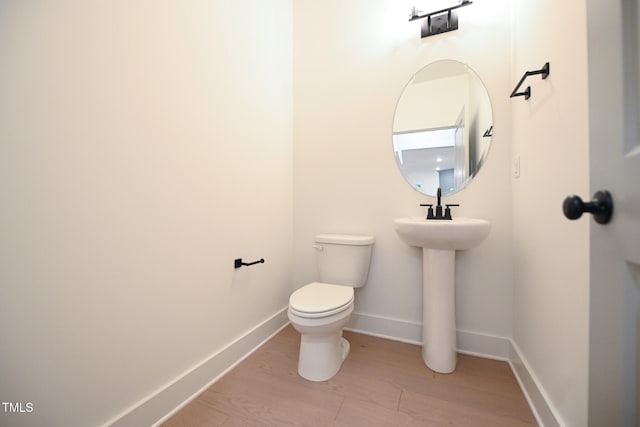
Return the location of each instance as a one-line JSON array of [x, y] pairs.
[[346, 347], [322, 347], [321, 357]]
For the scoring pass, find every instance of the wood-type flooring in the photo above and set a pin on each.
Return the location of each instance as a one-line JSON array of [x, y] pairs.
[[382, 383]]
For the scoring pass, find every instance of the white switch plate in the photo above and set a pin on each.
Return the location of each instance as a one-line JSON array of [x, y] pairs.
[[516, 167]]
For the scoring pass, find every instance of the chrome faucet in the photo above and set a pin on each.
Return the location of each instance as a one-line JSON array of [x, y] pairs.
[[438, 214]]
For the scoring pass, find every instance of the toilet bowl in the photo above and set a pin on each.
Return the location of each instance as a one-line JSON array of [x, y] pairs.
[[320, 310]]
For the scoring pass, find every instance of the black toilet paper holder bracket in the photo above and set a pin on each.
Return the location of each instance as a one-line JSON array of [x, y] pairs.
[[237, 263]]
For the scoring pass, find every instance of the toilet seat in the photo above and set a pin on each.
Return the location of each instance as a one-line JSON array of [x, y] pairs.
[[320, 300]]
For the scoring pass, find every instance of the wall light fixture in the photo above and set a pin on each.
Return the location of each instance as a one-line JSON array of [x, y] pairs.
[[440, 21]]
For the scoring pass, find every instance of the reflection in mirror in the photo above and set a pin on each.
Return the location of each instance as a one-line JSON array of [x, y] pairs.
[[442, 127]]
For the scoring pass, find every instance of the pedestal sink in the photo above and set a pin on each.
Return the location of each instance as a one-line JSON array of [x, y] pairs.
[[439, 239]]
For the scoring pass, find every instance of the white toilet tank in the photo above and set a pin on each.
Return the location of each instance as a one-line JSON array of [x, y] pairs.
[[343, 259]]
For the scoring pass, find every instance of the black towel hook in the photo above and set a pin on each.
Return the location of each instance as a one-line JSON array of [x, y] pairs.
[[527, 92], [237, 263]]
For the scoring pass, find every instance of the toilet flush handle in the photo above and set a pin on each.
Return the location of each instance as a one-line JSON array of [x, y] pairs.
[[318, 247]]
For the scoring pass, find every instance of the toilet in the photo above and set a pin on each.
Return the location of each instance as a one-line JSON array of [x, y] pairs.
[[321, 309]]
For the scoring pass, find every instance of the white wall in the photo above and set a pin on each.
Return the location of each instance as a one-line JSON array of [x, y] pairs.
[[351, 62], [551, 253], [143, 146]]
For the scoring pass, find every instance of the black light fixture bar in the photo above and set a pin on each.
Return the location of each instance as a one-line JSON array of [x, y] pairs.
[[440, 21]]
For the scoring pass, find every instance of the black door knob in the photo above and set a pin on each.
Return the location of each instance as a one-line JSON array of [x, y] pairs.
[[601, 207]]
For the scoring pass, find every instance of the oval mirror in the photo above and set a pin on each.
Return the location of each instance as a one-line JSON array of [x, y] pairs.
[[442, 127]]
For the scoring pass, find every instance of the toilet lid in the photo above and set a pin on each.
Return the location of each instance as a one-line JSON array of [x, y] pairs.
[[317, 298]]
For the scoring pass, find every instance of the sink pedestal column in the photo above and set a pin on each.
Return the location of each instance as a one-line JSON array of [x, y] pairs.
[[438, 310]]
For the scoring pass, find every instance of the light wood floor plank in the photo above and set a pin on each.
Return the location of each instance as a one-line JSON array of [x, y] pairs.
[[382, 382], [357, 413], [433, 411], [197, 415]]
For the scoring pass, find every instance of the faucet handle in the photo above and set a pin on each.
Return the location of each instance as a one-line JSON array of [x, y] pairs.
[[429, 211], [447, 211]]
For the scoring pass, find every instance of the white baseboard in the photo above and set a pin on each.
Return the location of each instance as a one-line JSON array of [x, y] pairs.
[[483, 345], [164, 402], [535, 395], [386, 327], [472, 343]]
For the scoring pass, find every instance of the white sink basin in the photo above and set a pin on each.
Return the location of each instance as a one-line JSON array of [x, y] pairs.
[[439, 240], [455, 234]]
